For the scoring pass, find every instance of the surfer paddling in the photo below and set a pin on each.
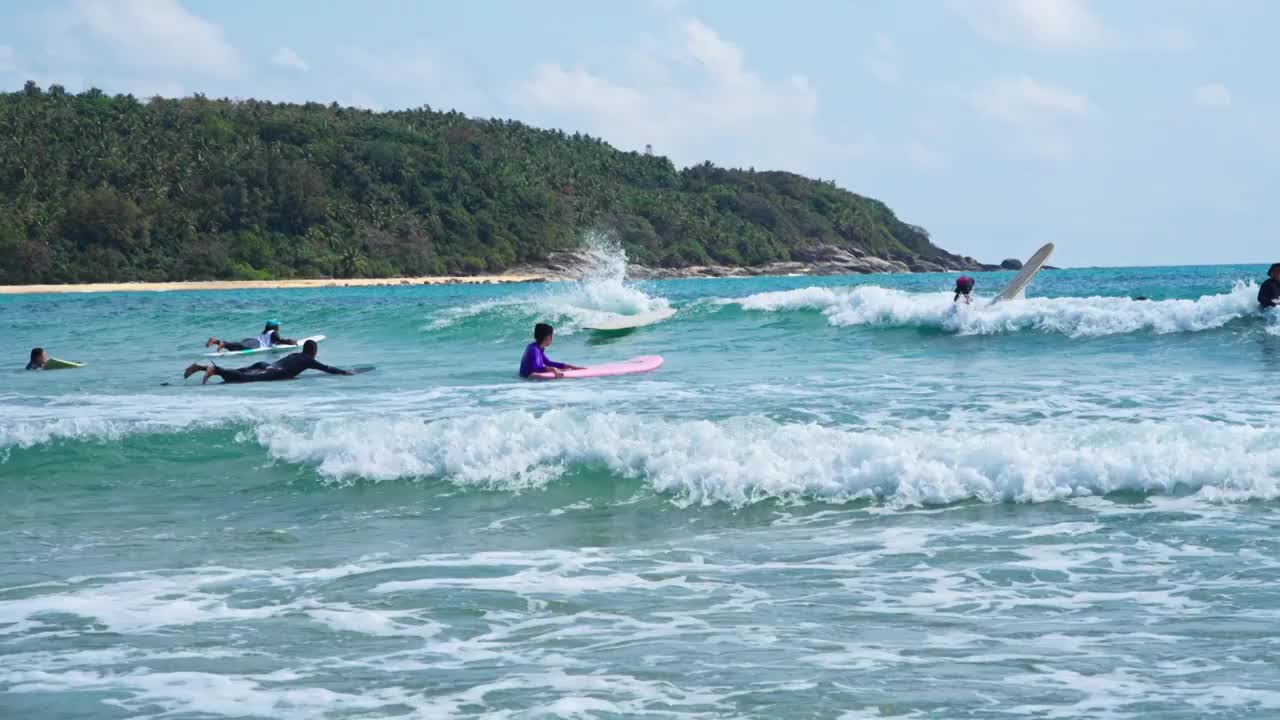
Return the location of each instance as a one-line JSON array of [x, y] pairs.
[[964, 286], [286, 368], [535, 356], [1269, 293], [268, 338], [38, 359]]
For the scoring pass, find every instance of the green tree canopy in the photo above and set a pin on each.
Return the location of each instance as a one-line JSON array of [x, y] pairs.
[[97, 187]]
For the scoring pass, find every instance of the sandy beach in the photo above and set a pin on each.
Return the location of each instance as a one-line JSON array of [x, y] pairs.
[[265, 284]]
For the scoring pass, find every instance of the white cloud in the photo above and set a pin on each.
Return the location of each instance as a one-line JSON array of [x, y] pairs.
[[924, 157], [1213, 95], [401, 68], [1169, 38], [158, 34], [1044, 24], [554, 88], [882, 64], [691, 96], [148, 90], [6, 59], [1022, 100], [885, 71], [1039, 112], [287, 57], [413, 77]]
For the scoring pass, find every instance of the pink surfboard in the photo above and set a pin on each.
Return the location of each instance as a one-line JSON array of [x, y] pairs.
[[642, 364]]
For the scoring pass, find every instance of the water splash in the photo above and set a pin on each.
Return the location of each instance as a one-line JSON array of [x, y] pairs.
[[748, 459], [1072, 316], [602, 294]]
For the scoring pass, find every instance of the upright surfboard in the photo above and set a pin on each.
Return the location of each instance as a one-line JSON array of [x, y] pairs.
[[1023, 278], [641, 364]]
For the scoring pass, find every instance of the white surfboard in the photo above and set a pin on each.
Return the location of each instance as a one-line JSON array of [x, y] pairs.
[[1023, 278], [272, 349], [612, 321]]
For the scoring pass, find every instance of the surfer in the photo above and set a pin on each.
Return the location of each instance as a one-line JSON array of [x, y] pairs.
[[38, 359], [964, 286], [1269, 293], [286, 368], [535, 356], [269, 337]]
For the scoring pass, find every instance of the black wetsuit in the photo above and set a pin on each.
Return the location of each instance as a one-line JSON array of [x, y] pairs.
[[286, 368], [1268, 294], [254, 343]]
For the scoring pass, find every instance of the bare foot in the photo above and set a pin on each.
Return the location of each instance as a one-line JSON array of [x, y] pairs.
[[192, 370]]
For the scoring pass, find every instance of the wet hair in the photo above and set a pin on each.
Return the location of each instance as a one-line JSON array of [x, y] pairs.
[[542, 331], [309, 347], [1271, 270], [269, 327], [35, 355]]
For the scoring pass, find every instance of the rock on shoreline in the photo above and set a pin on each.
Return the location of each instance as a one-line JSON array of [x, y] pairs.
[[819, 260]]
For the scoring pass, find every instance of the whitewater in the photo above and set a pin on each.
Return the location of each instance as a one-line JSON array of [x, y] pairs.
[[842, 497]]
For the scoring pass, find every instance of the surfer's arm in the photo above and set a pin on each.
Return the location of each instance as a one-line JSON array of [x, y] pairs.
[[277, 340], [317, 365]]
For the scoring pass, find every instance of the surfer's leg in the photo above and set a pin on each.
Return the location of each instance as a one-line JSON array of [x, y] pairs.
[[193, 369], [257, 372]]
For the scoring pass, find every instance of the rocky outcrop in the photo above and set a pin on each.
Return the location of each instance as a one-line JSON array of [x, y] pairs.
[[815, 260], [1011, 264]]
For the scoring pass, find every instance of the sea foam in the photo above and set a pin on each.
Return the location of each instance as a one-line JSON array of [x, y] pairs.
[[748, 459], [602, 294], [1071, 316]]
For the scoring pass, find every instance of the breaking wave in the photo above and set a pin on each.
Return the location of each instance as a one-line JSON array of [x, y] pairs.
[[601, 295], [1072, 316], [748, 459]]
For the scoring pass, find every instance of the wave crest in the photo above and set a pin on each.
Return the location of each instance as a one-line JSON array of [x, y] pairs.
[[1071, 316], [748, 459], [600, 296]]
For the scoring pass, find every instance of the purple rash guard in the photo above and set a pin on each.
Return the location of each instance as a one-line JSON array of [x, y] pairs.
[[535, 361]]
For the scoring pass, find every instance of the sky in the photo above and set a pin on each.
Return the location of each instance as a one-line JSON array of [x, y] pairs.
[[1133, 132]]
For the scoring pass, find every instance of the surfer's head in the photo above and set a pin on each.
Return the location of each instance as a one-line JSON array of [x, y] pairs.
[[38, 358], [1274, 272], [309, 348], [964, 284], [272, 325], [542, 334]]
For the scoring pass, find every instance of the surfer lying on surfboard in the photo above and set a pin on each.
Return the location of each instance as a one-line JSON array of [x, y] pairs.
[[269, 337], [38, 358], [535, 356], [964, 286], [286, 368]]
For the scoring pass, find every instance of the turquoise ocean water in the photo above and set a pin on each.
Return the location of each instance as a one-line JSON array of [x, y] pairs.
[[840, 497]]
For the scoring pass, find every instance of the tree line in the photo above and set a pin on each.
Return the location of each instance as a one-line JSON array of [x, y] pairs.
[[101, 188]]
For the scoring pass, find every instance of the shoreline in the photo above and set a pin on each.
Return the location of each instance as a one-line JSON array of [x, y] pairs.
[[532, 275], [197, 285]]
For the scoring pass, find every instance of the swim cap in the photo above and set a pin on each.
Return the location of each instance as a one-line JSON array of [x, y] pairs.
[[964, 282]]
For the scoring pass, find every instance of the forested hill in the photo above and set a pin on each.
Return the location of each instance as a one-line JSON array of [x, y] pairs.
[[102, 188]]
